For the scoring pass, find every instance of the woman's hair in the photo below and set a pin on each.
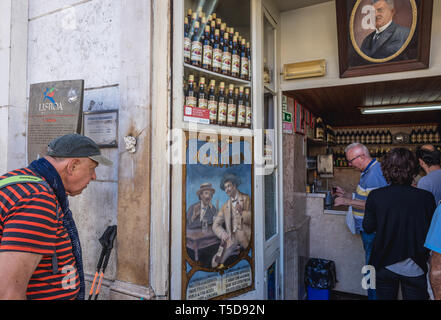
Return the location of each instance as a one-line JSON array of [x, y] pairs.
[[399, 166]]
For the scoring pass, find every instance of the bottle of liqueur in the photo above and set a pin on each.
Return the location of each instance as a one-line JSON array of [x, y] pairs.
[[189, 14], [383, 137], [212, 102], [235, 59], [248, 108], [232, 106], [425, 135], [217, 53], [187, 41], [207, 59], [320, 129], [196, 47], [222, 106], [241, 109], [244, 63], [378, 137], [222, 30], [202, 95], [190, 95], [389, 137], [226, 57], [218, 23]]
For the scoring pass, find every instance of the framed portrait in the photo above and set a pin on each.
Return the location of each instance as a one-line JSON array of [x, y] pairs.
[[383, 36], [299, 118], [217, 217]]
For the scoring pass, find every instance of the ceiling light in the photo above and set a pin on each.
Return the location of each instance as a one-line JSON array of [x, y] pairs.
[[393, 109]]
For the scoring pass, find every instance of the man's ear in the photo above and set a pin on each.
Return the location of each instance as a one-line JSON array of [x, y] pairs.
[[72, 165]]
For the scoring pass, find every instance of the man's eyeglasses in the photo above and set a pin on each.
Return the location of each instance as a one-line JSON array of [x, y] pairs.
[[350, 161]]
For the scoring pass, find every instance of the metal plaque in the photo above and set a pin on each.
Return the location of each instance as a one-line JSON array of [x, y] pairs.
[[55, 109], [102, 127]]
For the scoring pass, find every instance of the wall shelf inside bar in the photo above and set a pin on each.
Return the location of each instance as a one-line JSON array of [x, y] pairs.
[[198, 72]]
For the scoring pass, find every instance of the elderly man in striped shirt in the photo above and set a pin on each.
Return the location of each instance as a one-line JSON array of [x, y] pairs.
[[40, 253]]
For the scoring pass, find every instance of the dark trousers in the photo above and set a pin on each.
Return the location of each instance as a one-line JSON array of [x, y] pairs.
[[412, 288]]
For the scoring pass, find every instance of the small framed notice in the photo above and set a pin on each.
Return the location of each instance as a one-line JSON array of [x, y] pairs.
[[102, 127]]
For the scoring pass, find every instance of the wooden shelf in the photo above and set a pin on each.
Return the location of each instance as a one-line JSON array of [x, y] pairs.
[[217, 76]]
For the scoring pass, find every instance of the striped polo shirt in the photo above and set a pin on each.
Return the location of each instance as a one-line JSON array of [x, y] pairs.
[[371, 178], [29, 223]]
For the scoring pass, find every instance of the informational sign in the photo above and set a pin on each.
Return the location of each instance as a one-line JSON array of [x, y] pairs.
[[287, 123], [102, 127], [55, 109], [197, 115]]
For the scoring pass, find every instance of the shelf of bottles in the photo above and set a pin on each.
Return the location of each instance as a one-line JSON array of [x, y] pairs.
[[217, 78], [382, 136], [379, 141]]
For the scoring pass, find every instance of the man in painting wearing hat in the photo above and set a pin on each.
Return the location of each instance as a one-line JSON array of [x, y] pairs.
[[199, 219], [233, 223]]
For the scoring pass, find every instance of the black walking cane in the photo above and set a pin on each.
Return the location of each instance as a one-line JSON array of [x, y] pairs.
[[106, 241]]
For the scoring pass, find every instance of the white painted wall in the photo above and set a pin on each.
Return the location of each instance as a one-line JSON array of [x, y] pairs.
[[13, 49], [311, 33], [74, 39]]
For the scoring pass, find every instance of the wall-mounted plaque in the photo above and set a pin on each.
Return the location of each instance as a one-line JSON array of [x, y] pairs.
[[102, 127], [54, 110]]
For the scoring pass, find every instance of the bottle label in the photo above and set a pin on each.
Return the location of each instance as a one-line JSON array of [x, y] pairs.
[[222, 111], [235, 64], [212, 106], [196, 51], [226, 61], [244, 70], [208, 55], [203, 103], [241, 114], [187, 48], [249, 115], [191, 101], [217, 58], [232, 109]]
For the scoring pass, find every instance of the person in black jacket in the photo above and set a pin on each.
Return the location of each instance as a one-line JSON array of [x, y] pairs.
[[400, 215]]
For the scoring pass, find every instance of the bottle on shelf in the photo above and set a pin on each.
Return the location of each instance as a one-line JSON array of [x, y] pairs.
[[419, 136], [226, 56], [202, 95], [241, 109], [389, 137], [244, 63], [196, 47], [383, 137], [235, 59], [207, 58], [212, 102], [425, 135], [248, 108], [190, 95], [187, 41], [231, 105], [412, 136], [319, 129], [217, 53], [249, 61], [436, 134], [222, 105]]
